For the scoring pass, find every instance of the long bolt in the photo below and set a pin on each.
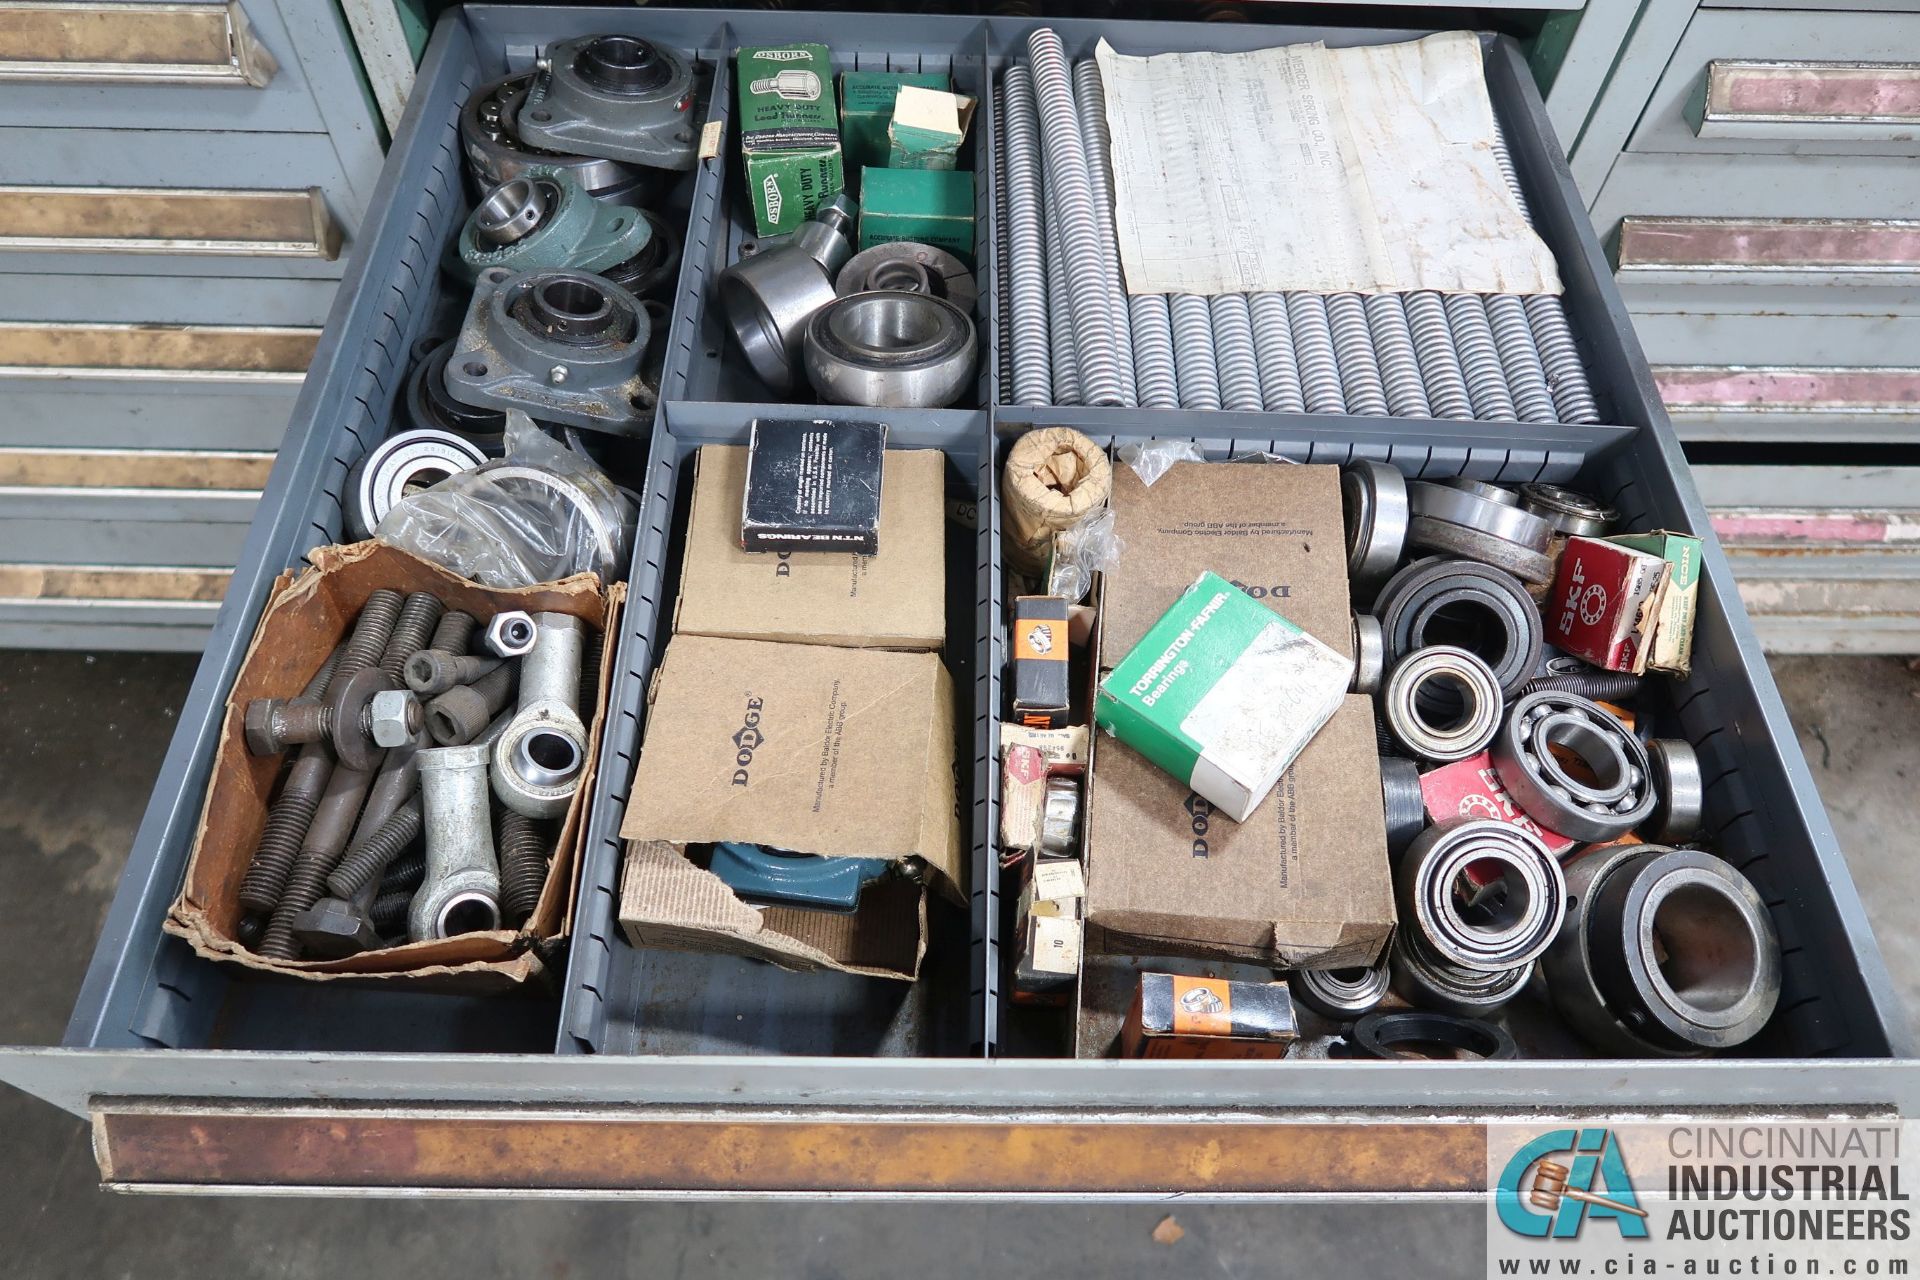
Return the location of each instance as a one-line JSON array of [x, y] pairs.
[[397, 783], [274, 724], [455, 632], [372, 855], [523, 865], [371, 631], [419, 618], [292, 813], [326, 838]]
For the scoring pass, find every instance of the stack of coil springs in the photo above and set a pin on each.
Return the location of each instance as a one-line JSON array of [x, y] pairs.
[[1076, 337]]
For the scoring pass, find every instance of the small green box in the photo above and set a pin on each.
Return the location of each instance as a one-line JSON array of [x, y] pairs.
[[789, 133], [928, 127], [931, 206], [1672, 649], [866, 109]]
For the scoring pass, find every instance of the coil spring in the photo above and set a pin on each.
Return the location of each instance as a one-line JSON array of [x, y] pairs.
[[1519, 358], [1090, 96], [1479, 357], [1560, 361], [1091, 298], [1028, 262], [1153, 365], [372, 856], [1313, 349], [1194, 365], [1233, 353], [1601, 686], [1273, 349], [1353, 352], [523, 866], [1399, 366], [1440, 368]]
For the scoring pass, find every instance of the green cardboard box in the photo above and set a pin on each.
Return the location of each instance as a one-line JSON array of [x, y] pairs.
[[927, 129], [789, 133], [932, 206], [866, 109], [1672, 649]]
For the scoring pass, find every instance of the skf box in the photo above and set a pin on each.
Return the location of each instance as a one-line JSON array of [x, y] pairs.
[[1174, 1016], [1605, 604]]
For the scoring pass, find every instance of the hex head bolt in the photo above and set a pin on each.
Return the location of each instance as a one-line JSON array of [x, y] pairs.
[[461, 892], [396, 785], [524, 849], [341, 924], [357, 719], [326, 838], [462, 712], [419, 617], [290, 814], [432, 672]]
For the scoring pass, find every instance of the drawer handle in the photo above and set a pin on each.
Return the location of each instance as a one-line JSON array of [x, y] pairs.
[[193, 353], [253, 224], [1825, 391], [1862, 101], [1770, 246], [177, 470], [108, 42], [108, 585]]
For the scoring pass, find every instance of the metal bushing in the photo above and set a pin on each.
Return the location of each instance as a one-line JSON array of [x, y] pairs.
[[1472, 511], [1445, 538], [1374, 497], [490, 139], [1665, 952], [400, 465], [1571, 513], [1430, 985], [616, 96], [650, 273], [1618, 796], [1679, 791], [1369, 654], [1482, 489], [562, 346], [1401, 797], [1472, 701], [1470, 606], [1483, 895], [890, 350], [542, 218], [430, 406], [1060, 815], [769, 296], [910, 267], [1343, 994], [1416, 1033]]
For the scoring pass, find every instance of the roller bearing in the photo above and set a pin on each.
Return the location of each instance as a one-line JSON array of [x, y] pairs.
[[1472, 511], [1483, 897], [1443, 537], [1622, 795], [1570, 513], [1374, 496], [1453, 735], [1406, 807], [1369, 654]]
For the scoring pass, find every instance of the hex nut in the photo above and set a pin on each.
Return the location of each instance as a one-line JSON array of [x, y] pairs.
[[395, 717], [511, 634], [262, 739]]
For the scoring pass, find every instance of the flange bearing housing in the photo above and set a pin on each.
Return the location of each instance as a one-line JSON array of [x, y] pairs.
[[891, 350], [616, 96], [1618, 797], [542, 218], [1666, 952], [495, 151]]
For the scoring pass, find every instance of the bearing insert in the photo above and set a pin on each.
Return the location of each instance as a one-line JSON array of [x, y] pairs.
[[890, 350]]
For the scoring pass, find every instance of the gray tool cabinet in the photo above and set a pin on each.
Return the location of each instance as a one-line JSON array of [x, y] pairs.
[[668, 1073], [179, 186], [1752, 170]]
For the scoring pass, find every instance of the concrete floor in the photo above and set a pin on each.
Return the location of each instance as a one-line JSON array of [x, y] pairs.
[[80, 741]]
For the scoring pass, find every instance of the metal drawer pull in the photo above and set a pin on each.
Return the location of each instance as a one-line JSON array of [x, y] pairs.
[[108, 585], [1774, 246], [1827, 392], [187, 353], [254, 224], [1863, 101], [102, 42], [193, 470]]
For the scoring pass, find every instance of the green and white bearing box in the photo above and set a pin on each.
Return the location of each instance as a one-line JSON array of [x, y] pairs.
[[789, 133], [1224, 693], [866, 110]]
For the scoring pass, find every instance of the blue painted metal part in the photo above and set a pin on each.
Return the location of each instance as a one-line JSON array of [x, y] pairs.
[[774, 877]]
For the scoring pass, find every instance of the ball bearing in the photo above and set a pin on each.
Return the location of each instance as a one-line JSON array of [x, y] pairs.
[[1343, 994], [1618, 797], [1450, 735], [1570, 513], [1679, 792], [1483, 896], [1466, 605]]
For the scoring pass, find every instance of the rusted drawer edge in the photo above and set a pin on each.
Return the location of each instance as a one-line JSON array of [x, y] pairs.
[[1818, 250], [155, 351], [194, 470], [148, 220], [107, 42], [1784, 390], [1807, 100]]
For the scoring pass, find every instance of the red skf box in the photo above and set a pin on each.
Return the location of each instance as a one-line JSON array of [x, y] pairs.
[[1471, 788], [1605, 604]]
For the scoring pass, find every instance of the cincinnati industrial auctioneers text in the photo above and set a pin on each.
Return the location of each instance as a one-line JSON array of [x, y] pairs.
[[1725, 1165]]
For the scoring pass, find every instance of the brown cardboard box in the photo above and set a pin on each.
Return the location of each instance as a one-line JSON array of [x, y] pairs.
[[1276, 531], [893, 600], [1303, 882], [307, 614], [842, 752], [1177, 1016]]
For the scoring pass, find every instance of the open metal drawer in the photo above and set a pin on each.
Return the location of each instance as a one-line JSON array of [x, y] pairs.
[[624, 1080]]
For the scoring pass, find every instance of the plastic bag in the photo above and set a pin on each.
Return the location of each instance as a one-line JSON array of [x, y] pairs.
[[541, 513], [1150, 459], [1082, 549]]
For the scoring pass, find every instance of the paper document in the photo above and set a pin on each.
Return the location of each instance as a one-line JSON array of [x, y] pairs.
[[1363, 170]]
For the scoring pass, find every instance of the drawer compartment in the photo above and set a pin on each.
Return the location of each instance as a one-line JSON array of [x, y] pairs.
[[183, 1067]]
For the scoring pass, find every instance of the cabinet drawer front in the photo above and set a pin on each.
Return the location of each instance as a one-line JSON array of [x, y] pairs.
[[1792, 101], [192, 353], [1816, 252], [1756, 186], [194, 223], [102, 42], [1791, 402]]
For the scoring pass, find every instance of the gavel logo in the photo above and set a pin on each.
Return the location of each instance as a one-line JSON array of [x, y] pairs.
[[1550, 1187]]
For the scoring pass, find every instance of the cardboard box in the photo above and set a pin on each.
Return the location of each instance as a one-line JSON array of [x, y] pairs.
[[1673, 630], [813, 485], [893, 600], [1023, 798], [1222, 694], [840, 752], [931, 206], [1061, 750], [1175, 1016], [789, 133], [1303, 883], [1471, 788], [1606, 603], [1050, 932], [866, 109], [1038, 672], [307, 614], [927, 128], [1275, 531]]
